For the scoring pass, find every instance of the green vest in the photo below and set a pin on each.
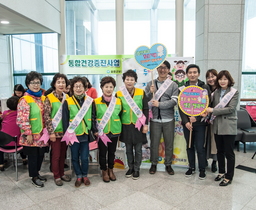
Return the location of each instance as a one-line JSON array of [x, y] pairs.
[[114, 124], [55, 104], [73, 110], [35, 115], [128, 115]]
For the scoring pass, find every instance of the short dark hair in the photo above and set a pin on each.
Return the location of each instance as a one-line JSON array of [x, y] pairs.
[[18, 87], [69, 82], [180, 61], [168, 65], [33, 75], [75, 80], [130, 73], [12, 102], [179, 72], [211, 71], [106, 80], [193, 66], [57, 76], [227, 75], [89, 85]]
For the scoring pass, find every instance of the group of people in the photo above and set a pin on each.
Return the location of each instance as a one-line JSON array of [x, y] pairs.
[[75, 118]]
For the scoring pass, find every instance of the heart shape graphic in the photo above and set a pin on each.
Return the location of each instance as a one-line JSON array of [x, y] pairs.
[[150, 58]]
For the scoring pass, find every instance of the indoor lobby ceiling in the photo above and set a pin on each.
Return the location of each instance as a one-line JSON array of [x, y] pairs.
[[18, 24]]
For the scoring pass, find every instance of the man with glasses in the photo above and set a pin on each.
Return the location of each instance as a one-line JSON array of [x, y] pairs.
[[163, 93]]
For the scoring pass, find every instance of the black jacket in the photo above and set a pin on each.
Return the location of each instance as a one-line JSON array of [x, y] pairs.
[[184, 117]]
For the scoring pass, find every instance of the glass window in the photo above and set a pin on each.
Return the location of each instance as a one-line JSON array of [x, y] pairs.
[[91, 30], [35, 52], [148, 22], [166, 25], [189, 28], [248, 87], [136, 28]]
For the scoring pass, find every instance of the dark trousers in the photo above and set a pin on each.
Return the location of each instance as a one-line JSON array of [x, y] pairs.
[[35, 163], [198, 143], [225, 149], [103, 150], [58, 153], [134, 161]]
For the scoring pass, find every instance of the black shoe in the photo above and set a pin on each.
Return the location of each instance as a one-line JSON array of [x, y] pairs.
[[129, 173], [202, 175], [152, 169], [169, 170], [225, 182], [136, 175], [219, 177], [41, 178], [189, 172], [25, 162], [37, 182], [66, 165], [214, 166]]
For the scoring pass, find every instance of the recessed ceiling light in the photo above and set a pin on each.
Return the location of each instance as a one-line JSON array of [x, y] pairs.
[[5, 22]]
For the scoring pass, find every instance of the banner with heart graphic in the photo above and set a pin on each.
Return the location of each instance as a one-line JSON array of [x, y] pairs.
[[151, 58]]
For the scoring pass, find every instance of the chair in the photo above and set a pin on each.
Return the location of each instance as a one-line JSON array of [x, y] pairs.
[[246, 133], [94, 155], [6, 139]]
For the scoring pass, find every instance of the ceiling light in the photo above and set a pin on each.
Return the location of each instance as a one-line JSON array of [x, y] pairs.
[[5, 22]]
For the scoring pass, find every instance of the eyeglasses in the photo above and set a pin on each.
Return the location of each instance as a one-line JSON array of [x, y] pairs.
[[78, 86], [180, 76], [35, 83], [162, 68]]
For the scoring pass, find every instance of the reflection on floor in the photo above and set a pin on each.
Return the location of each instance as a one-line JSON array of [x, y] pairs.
[[159, 191]]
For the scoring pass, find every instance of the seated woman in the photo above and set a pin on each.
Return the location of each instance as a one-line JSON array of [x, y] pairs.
[[10, 127]]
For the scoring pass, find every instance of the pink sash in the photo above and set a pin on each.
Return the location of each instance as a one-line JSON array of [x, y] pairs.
[[224, 101], [136, 110], [55, 122], [159, 93], [105, 120], [70, 135]]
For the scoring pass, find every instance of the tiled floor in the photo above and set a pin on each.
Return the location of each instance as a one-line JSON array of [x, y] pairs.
[[159, 191]]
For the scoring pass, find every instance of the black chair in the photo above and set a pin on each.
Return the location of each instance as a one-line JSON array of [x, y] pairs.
[[6, 139], [245, 131]]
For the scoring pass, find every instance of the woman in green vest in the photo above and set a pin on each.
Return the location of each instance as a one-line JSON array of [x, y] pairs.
[[30, 120], [52, 105], [131, 136], [80, 149], [112, 128]]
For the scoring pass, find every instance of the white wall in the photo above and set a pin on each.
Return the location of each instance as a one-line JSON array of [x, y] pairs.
[[5, 69], [44, 12]]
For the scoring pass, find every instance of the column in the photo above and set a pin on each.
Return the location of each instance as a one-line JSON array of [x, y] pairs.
[[219, 36]]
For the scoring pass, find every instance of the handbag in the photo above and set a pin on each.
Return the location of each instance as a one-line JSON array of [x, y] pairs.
[[91, 136]]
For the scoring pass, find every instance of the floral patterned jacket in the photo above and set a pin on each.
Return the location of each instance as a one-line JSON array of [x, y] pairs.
[[24, 123]]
